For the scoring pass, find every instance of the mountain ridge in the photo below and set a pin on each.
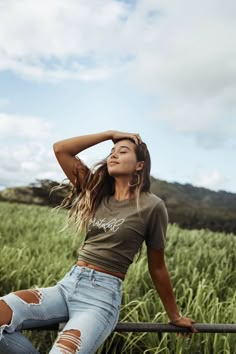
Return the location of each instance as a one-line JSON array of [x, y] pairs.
[[188, 206]]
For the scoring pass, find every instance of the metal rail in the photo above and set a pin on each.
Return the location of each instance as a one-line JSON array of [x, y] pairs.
[[157, 327]]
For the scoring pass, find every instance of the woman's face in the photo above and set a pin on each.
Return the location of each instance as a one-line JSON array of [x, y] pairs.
[[122, 159]]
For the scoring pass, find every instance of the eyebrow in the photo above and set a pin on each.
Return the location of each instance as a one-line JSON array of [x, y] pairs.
[[122, 146]]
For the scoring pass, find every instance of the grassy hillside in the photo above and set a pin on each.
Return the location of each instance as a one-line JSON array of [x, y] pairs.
[[201, 265], [196, 208], [188, 206]]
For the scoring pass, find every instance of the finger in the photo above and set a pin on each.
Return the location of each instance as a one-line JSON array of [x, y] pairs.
[[192, 329], [135, 139], [192, 320], [132, 137], [140, 139]]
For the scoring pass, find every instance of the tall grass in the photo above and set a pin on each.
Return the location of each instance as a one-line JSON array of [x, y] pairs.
[[201, 266]]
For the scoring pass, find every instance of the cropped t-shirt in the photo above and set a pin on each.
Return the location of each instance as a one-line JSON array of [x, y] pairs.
[[117, 231]]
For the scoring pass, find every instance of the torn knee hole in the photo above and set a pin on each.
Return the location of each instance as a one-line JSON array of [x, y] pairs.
[[6, 313], [31, 296], [70, 341]]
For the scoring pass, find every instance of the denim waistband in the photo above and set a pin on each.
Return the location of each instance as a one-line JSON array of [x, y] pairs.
[[90, 272]]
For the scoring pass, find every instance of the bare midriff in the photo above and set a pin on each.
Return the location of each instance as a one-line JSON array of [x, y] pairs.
[[85, 264]]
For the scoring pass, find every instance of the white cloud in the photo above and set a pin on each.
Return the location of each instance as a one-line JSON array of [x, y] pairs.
[[177, 47], [23, 164], [214, 180], [24, 127], [182, 52], [211, 122], [190, 64], [26, 152], [56, 40], [40, 72]]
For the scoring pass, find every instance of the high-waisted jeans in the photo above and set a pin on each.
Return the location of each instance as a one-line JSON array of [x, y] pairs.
[[84, 299]]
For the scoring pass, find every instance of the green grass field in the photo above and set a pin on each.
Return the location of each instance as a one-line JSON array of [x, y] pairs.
[[201, 265]]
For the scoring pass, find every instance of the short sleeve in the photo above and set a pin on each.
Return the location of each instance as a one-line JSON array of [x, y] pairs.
[[157, 223]]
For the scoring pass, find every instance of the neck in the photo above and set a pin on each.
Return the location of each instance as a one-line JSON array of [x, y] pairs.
[[118, 196], [122, 190]]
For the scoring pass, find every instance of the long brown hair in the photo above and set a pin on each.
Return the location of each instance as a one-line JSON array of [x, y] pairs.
[[84, 199]]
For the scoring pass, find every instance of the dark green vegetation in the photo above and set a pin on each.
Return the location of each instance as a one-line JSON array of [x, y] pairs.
[[201, 265], [188, 206], [196, 208]]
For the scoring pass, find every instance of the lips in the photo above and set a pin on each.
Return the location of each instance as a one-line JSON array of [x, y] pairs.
[[113, 162]]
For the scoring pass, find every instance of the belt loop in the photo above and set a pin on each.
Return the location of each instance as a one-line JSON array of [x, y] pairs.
[[91, 274]]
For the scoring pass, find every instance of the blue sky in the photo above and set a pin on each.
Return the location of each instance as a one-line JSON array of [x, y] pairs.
[[166, 71]]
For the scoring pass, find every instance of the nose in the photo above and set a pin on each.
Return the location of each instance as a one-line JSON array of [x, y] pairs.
[[112, 158], [113, 155]]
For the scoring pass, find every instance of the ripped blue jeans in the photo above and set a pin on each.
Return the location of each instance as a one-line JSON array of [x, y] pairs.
[[85, 301]]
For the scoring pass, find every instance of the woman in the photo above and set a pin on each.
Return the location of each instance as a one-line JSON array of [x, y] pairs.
[[115, 208]]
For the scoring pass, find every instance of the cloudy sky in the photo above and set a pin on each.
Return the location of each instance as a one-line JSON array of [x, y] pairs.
[[163, 69]]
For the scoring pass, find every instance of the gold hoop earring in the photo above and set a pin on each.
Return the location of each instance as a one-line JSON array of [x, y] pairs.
[[133, 185]]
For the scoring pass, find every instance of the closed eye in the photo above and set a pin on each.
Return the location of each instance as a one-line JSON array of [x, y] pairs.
[[121, 152]]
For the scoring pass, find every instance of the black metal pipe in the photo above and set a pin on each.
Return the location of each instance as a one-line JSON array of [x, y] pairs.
[[157, 327]]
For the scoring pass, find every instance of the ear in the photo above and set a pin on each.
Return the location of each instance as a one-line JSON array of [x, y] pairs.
[[139, 166]]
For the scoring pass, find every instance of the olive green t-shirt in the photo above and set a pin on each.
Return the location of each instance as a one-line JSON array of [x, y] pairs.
[[117, 231]]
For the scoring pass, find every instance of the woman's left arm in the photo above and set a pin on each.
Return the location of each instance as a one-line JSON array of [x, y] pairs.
[[161, 279]]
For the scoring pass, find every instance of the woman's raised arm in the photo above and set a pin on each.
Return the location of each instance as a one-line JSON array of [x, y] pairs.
[[75, 145], [66, 151]]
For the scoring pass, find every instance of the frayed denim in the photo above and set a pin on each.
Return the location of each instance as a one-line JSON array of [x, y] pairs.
[[84, 300]]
